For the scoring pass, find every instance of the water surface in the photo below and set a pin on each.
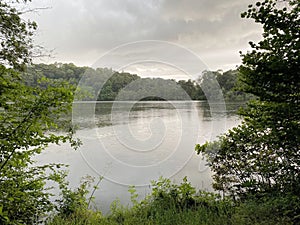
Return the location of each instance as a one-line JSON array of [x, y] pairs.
[[132, 143]]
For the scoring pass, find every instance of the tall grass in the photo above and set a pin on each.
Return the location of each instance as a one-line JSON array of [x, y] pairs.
[[172, 204]]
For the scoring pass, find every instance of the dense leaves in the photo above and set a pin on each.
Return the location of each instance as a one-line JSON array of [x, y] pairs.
[[173, 203], [106, 85], [15, 36], [31, 118], [271, 70], [262, 156]]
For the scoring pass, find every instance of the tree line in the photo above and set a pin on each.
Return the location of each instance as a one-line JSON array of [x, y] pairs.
[[103, 84], [256, 164]]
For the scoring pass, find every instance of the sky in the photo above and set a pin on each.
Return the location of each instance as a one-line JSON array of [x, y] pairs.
[[145, 37]]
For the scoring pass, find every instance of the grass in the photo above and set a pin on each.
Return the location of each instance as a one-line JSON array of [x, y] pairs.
[[128, 216], [172, 204]]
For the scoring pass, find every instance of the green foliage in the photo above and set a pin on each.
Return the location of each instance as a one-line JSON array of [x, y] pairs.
[[165, 205], [30, 119], [271, 70], [262, 155], [268, 210], [133, 195], [15, 37], [73, 201], [85, 217], [218, 85], [179, 198], [132, 87], [115, 84], [74, 205], [165, 192], [193, 89]]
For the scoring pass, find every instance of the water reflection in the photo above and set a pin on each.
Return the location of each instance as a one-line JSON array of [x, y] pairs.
[[131, 143], [102, 111]]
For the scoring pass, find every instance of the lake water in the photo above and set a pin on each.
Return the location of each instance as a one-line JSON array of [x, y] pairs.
[[132, 143]]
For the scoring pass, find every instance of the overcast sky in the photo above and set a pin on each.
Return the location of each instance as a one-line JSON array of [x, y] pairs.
[[81, 31]]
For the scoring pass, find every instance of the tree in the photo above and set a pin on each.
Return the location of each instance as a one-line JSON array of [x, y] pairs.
[[29, 119], [192, 88], [15, 36], [210, 86], [262, 155]]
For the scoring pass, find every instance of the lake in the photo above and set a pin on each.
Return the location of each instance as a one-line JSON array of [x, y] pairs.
[[131, 143]]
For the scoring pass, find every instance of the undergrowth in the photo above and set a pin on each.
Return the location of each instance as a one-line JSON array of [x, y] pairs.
[[171, 204]]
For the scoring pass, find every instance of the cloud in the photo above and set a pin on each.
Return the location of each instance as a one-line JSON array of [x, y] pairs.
[[83, 30]]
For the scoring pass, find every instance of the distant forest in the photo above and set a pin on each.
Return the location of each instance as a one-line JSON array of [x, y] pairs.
[[103, 84]]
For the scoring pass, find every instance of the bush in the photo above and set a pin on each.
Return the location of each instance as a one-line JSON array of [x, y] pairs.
[[279, 210], [171, 203]]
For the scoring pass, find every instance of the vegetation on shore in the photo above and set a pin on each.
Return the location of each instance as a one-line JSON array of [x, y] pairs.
[[103, 84], [261, 157], [176, 204], [256, 165]]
